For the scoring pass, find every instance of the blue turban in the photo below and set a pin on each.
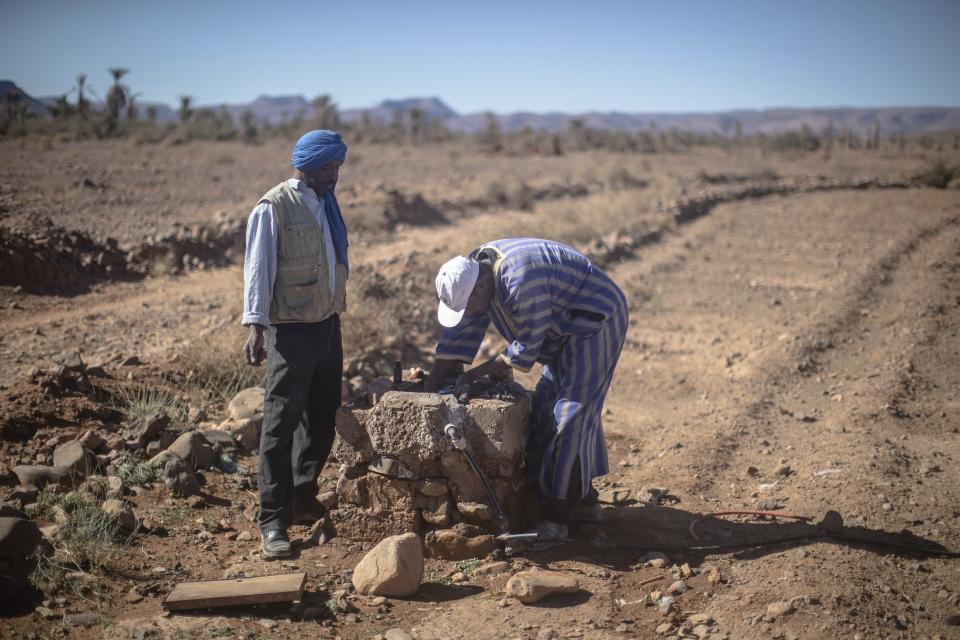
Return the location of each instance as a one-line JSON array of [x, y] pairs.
[[312, 151]]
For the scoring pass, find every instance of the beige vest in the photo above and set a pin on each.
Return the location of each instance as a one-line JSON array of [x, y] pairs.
[[301, 290]]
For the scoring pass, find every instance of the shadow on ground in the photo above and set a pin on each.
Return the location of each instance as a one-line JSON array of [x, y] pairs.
[[627, 533]]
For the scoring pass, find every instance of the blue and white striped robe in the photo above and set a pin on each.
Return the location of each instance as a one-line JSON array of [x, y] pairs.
[[553, 306]]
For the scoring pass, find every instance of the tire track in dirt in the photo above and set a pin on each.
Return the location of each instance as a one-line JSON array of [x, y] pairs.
[[804, 357], [708, 370]]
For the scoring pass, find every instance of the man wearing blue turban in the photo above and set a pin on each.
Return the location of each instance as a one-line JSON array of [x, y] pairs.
[[295, 276]]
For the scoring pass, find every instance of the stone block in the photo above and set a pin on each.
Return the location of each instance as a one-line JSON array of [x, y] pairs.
[[396, 457]]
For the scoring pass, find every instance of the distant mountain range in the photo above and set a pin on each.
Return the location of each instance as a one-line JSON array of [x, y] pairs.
[[862, 120]]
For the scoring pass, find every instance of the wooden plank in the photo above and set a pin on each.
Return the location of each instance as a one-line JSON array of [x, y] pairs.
[[286, 587]]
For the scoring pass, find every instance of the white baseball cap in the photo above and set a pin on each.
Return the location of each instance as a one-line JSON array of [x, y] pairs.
[[455, 282]]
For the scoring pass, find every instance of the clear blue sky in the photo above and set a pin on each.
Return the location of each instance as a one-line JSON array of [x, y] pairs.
[[503, 56]]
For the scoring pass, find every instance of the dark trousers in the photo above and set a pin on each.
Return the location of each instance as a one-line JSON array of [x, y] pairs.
[[304, 367]]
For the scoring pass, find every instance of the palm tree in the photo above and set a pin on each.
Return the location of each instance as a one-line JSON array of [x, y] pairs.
[[117, 96], [186, 112], [82, 104]]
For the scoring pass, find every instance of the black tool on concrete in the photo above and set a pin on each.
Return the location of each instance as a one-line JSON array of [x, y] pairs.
[[460, 443]]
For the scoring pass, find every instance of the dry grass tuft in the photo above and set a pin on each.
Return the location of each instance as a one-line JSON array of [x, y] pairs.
[[215, 367], [143, 401], [90, 538]]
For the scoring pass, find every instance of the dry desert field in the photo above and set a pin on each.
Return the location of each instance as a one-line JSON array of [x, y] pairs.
[[794, 346]]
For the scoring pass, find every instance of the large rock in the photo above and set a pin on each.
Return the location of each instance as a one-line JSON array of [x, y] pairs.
[[219, 439], [122, 513], [194, 449], [75, 457], [39, 476], [534, 585], [18, 537], [246, 405], [393, 568], [149, 428], [179, 478]]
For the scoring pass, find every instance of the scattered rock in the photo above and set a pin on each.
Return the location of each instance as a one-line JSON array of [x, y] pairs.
[[179, 478], [244, 536], [122, 512], [396, 634], [392, 568], [328, 499], [92, 440], [779, 609], [194, 449], [534, 585], [268, 624], [246, 405], [678, 587], [81, 619], [74, 457], [149, 428], [52, 533], [18, 537], [768, 504], [664, 628], [46, 613], [245, 432]]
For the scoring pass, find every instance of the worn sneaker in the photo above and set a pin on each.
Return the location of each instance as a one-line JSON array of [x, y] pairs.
[[275, 544]]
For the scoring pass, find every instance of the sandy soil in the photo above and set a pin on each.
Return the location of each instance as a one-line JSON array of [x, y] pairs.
[[795, 352]]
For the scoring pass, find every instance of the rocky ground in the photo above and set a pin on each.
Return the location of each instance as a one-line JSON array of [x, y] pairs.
[[791, 350]]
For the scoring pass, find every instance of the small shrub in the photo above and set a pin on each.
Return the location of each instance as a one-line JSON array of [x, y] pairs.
[[137, 472], [144, 401], [47, 499], [90, 536], [938, 173]]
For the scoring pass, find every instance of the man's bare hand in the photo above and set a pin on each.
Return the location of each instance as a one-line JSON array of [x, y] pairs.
[[253, 350]]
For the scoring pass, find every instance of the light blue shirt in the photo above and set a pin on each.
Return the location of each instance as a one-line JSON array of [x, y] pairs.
[[260, 258]]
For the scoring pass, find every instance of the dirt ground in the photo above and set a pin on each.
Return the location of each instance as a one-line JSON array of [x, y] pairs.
[[795, 352]]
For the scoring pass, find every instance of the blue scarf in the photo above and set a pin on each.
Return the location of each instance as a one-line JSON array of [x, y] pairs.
[[312, 151]]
